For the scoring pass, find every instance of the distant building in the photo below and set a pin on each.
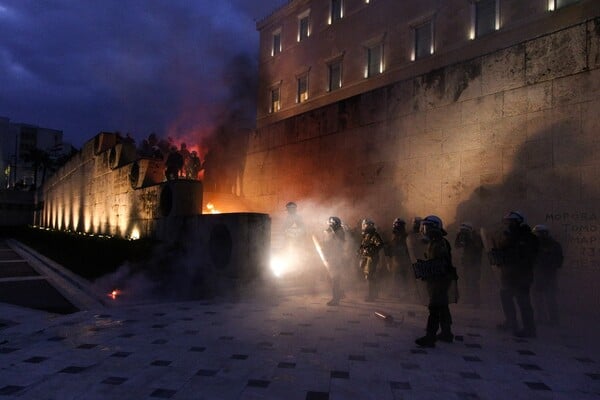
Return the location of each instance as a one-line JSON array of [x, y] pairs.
[[18, 144]]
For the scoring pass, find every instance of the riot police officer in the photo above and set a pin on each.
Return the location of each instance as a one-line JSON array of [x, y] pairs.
[[333, 247], [368, 251], [547, 263], [440, 275], [515, 255], [293, 225], [469, 240], [399, 260]]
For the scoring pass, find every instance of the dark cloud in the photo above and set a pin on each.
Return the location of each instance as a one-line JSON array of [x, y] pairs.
[[136, 65]]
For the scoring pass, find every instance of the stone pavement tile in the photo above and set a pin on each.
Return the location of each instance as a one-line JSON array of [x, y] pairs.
[[273, 392], [392, 361], [60, 387], [211, 388], [360, 389]]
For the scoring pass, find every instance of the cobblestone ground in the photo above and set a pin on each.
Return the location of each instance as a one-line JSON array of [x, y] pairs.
[[287, 345]]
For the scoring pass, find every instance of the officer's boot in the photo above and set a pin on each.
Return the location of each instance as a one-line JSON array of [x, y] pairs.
[[433, 322]]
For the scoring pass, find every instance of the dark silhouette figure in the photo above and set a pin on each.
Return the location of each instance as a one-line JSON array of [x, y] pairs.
[[195, 165], [515, 254], [185, 154], [440, 275], [174, 164], [545, 287], [399, 263], [333, 248], [469, 240]]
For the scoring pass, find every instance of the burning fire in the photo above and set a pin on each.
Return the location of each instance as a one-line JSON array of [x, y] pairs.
[[113, 295], [211, 209]]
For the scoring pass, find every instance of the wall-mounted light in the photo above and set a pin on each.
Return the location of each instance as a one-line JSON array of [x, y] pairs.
[[551, 5], [497, 22]]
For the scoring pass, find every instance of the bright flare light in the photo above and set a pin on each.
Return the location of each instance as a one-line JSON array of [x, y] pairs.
[[285, 262], [278, 266], [113, 295]]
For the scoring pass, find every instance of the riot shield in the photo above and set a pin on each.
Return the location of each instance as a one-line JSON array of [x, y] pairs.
[[417, 249], [489, 246]]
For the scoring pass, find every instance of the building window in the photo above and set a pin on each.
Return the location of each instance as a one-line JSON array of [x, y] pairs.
[[423, 45], [335, 75], [374, 60], [556, 4], [336, 11], [303, 27], [276, 49], [275, 103], [485, 17], [302, 94]]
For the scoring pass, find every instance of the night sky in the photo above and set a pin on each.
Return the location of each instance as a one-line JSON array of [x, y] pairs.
[[85, 66]]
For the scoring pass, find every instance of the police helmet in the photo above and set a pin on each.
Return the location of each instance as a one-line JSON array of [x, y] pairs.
[[433, 222], [516, 216], [398, 223], [291, 205], [366, 225], [540, 230], [466, 226], [334, 223]]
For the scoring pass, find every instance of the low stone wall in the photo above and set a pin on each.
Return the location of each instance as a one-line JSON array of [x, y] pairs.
[[104, 189]]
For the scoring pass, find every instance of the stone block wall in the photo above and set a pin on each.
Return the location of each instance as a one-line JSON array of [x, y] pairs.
[[94, 194], [514, 129]]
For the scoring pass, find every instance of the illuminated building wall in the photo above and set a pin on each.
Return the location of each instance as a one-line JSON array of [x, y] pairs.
[[105, 189], [487, 123]]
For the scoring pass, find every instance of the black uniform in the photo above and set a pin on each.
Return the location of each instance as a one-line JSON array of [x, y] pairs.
[[547, 263], [438, 288], [400, 264], [174, 164], [472, 245], [515, 255]]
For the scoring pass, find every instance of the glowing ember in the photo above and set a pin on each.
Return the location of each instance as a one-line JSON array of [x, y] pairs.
[[211, 208], [114, 294], [135, 234]]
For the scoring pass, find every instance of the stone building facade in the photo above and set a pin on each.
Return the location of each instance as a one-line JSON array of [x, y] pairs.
[[464, 109]]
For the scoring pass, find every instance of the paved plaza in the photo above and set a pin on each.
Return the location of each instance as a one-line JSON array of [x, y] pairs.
[[282, 344]]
